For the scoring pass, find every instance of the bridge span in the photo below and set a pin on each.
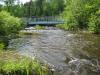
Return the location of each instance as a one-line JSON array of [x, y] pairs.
[[46, 21]]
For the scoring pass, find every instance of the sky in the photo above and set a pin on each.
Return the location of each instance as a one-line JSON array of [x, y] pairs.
[[23, 1]]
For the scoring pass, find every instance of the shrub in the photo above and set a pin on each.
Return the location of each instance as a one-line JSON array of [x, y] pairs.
[[2, 46], [8, 24], [94, 23], [70, 24], [3, 42], [78, 14]]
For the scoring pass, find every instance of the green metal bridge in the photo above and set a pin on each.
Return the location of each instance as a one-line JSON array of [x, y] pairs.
[[46, 21]]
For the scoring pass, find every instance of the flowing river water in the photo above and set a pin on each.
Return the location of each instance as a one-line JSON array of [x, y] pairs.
[[66, 53]]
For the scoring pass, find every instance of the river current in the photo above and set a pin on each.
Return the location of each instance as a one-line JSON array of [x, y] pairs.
[[66, 53]]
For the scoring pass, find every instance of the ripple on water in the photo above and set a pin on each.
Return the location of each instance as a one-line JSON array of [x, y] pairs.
[[66, 53]]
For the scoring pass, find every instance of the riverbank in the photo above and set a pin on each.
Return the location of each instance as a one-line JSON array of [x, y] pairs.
[[11, 63]]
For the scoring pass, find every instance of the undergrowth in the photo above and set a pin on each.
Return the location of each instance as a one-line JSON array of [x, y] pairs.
[[13, 64]]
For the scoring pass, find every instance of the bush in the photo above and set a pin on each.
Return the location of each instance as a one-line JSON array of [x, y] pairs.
[[94, 24], [70, 24], [78, 14], [2, 46], [3, 42], [8, 24]]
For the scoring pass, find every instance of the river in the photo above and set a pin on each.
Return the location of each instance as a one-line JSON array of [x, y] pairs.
[[67, 53]]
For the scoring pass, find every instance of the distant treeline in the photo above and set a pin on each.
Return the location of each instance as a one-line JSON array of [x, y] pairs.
[[33, 7]]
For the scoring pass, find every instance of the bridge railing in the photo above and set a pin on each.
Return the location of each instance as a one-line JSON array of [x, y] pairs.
[[50, 18]]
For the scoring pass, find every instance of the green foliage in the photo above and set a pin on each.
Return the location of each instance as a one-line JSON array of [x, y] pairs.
[[72, 24], [64, 26], [25, 66], [8, 5], [8, 24], [78, 14], [14, 64], [56, 7], [3, 42], [35, 8], [94, 24], [2, 46]]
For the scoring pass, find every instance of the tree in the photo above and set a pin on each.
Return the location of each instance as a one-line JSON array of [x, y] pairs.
[[81, 11], [44, 7], [57, 6], [34, 8], [9, 4], [1, 7]]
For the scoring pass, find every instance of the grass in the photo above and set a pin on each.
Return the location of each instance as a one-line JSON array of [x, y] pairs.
[[13, 64]]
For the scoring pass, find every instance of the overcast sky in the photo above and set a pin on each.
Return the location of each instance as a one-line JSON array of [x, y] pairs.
[[23, 1]]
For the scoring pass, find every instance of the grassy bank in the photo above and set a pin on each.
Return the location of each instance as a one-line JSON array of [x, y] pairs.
[[13, 64]]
